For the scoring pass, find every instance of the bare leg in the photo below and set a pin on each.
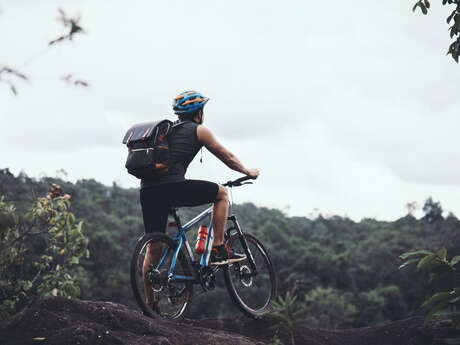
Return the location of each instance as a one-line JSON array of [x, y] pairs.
[[219, 215], [152, 257]]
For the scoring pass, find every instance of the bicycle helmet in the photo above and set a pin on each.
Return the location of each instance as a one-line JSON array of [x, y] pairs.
[[188, 102]]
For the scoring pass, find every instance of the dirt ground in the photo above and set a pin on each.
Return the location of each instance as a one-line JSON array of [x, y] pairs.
[[59, 321]]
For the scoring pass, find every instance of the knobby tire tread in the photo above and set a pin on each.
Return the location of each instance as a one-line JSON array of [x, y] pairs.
[[133, 272], [273, 279]]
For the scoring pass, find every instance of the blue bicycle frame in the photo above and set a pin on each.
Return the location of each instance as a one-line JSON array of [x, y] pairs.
[[180, 238]]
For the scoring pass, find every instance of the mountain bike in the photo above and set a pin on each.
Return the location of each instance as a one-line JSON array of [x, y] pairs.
[[251, 284]]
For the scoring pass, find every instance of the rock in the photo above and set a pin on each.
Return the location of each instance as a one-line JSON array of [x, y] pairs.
[[58, 321], [72, 321]]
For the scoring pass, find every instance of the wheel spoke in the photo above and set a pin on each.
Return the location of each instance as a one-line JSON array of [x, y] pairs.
[[251, 291], [157, 294]]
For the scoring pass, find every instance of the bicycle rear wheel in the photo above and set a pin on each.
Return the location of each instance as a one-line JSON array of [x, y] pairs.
[[156, 294], [252, 292]]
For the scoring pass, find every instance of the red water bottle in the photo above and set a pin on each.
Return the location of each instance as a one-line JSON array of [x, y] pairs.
[[201, 239]]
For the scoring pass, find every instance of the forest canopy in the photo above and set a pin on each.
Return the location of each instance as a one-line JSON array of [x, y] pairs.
[[334, 263]]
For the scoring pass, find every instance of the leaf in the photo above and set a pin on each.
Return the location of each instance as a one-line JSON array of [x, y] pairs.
[[425, 261], [437, 297], [74, 260], [39, 339], [423, 8], [427, 4], [407, 263], [442, 253], [433, 311], [455, 293], [451, 16], [70, 218], [418, 253], [27, 285], [415, 6], [455, 260]]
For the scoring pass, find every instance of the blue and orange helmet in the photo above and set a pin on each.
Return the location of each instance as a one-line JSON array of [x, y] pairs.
[[188, 102]]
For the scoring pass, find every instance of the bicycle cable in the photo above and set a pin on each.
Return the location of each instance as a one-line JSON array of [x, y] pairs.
[[231, 201]]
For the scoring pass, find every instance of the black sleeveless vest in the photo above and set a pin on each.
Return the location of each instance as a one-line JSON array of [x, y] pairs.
[[183, 147]]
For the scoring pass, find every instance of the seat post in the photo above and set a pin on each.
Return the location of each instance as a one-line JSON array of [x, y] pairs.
[[173, 212]]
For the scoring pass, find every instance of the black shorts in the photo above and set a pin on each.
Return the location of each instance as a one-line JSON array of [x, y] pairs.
[[157, 200]]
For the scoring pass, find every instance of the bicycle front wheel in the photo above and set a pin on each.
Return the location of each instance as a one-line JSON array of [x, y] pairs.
[[156, 293], [251, 285]]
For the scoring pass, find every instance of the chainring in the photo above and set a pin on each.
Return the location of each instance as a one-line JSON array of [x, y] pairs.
[[207, 278]]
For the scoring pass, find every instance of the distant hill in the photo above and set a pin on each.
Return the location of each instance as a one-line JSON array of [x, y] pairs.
[[348, 271]]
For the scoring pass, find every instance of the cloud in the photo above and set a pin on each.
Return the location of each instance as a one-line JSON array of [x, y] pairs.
[[348, 108]]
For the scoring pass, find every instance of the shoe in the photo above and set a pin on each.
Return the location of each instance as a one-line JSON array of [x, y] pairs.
[[223, 255]]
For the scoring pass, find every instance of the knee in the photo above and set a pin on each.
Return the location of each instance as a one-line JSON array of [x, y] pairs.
[[222, 194]]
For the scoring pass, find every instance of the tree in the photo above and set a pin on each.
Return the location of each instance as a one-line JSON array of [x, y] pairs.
[[444, 273], [454, 30], [51, 227], [433, 210], [288, 314], [10, 75], [328, 308]]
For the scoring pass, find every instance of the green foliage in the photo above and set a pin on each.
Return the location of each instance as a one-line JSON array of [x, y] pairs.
[[24, 277], [11, 257], [288, 315], [329, 308], [454, 29], [276, 340], [433, 210], [444, 272], [357, 260]]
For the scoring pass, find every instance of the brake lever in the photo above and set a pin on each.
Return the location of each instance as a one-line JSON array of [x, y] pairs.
[[245, 183]]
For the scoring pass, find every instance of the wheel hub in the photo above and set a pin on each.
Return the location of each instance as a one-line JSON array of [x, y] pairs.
[[246, 276], [157, 279]]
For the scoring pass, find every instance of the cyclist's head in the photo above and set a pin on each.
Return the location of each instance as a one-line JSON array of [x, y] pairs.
[[188, 104]]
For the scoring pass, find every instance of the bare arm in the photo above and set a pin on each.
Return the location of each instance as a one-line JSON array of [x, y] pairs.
[[209, 141]]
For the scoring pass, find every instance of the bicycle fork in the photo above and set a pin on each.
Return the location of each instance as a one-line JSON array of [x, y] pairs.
[[244, 243]]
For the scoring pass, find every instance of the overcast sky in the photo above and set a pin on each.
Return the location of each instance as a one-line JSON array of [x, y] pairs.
[[351, 108]]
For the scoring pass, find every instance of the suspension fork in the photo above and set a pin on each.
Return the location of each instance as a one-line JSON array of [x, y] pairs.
[[244, 243]]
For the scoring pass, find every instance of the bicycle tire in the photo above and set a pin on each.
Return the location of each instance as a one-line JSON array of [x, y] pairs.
[[168, 305], [252, 295]]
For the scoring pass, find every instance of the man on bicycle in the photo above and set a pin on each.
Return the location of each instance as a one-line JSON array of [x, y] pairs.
[[158, 195]]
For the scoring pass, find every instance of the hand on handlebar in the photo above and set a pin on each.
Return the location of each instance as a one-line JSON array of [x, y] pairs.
[[239, 182], [253, 173]]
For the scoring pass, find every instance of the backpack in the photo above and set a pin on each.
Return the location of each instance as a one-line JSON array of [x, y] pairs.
[[148, 147]]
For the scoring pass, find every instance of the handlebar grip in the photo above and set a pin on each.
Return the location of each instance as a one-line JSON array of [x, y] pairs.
[[238, 182], [242, 179]]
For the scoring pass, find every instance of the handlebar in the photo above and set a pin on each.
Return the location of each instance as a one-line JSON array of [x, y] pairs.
[[239, 182]]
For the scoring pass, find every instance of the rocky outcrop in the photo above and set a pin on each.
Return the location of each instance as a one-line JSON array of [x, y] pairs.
[[58, 321]]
